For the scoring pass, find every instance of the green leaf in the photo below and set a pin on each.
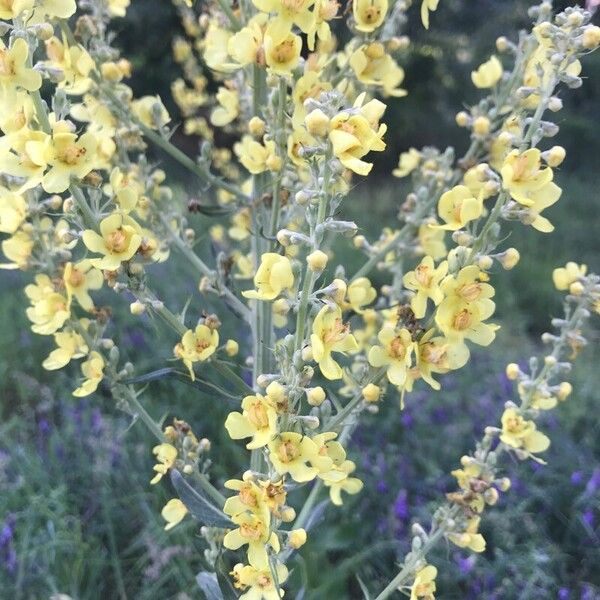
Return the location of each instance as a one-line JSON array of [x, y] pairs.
[[364, 588], [152, 376], [209, 585], [200, 507]]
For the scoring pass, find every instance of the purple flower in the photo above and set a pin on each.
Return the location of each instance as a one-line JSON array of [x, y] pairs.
[[588, 517], [563, 594], [401, 506], [594, 483], [576, 478]]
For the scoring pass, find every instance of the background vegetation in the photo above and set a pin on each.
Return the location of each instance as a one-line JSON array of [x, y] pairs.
[[77, 515]]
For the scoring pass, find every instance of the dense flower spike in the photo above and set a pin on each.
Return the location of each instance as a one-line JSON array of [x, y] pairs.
[[314, 346]]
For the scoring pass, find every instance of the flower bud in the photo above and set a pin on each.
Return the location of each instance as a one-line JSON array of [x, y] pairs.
[[371, 392], [287, 514], [502, 44], [512, 371], [317, 123], [564, 390], [504, 484], [555, 156], [317, 261], [359, 241], [315, 396], [307, 354], [111, 72], [462, 119], [591, 37], [481, 125], [256, 127], [485, 262], [232, 348], [137, 308], [491, 496], [276, 392], [297, 538], [262, 381], [555, 104], [509, 258], [576, 288]]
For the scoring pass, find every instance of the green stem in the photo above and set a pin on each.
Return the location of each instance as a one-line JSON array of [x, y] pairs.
[[226, 8], [229, 375], [89, 218], [204, 269], [185, 161]]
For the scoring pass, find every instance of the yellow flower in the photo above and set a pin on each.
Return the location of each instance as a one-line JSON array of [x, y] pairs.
[[173, 513], [457, 207], [356, 133], [118, 8], [424, 584], [407, 163], [525, 179], [369, 14], [49, 310], [324, 11], [296, 12], [258, 421], [487, 74], [66, 155], [251, 497], [245, 46], [20, 162], [372, 66], [517, 432], [9, 9], [425, 281], [13, 210], [257, 579], [125, 188], [439, 355], [274, 275], [197, 346], [426, 6], [360, 293], [166, 455], [307, 86], [395, 353], [469, 538], [467, 303], [17, 249], [283, 56], [62, 9], [254, 531], [229, 107], [216, 42], [14, 72], [291, 452], [74, 62], [563, 277], [79, 279], [119, 240], [432, 240], [151, 111], [330, 334], [257, 157], [93, 371], [70, 345]]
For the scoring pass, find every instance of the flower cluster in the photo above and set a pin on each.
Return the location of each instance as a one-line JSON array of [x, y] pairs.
[[85, 212]]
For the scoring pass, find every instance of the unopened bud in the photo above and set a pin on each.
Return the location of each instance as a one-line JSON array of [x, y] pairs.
[[481, 125], [307, 354], [371, 392], [297, 538], [137, 308], [231, 347], [564, 390], [317, 261], [509, 258], [512, 371], [315, 396], [462, 119], [317, 123], [591, 37], [256, 126]]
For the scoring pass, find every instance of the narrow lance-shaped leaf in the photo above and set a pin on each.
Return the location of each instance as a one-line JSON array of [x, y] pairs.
[[200, 507]]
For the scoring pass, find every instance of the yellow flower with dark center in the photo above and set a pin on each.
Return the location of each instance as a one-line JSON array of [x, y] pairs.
[[395, 353], [331, 334], [79, 279], [354, 133], [518, 432], [257, 579], [252, 530], [470, 538], [373, 66], [13, 210], [457, 207], [425, 281], [283, 56], [14, 72], [288, 14], [369, 14], [258, 421], [439, 355], [118, 241], [292, 452], [74, 62], [197, 346]]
